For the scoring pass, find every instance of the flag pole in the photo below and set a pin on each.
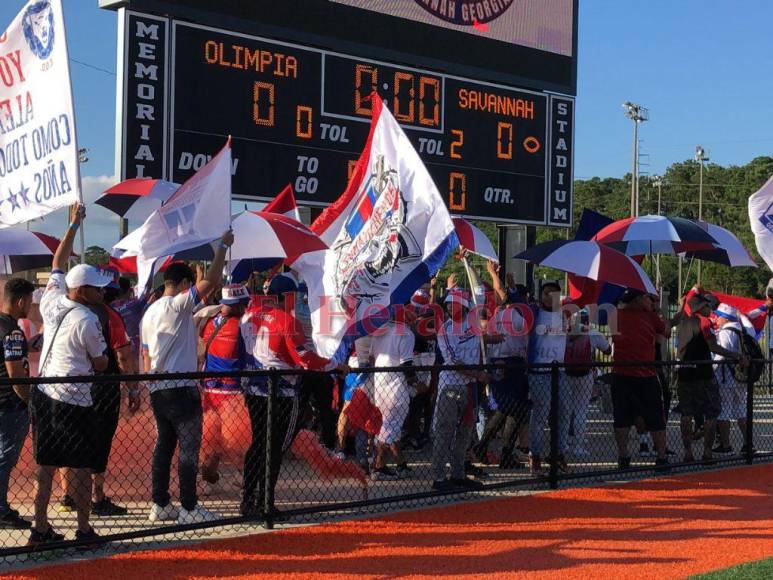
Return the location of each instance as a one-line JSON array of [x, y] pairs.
[[468, 270], [229, 278], [82, 227]]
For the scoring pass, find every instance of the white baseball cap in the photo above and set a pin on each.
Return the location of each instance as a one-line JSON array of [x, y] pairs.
[[85, 275], [727, 311]]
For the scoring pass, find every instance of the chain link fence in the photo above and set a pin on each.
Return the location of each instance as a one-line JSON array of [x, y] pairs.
[[301, 446]]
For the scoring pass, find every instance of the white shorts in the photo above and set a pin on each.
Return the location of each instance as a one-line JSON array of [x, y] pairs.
[[394, 401], [733, 397]]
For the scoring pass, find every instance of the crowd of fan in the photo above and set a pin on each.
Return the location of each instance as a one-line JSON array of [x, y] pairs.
[[93, 324]]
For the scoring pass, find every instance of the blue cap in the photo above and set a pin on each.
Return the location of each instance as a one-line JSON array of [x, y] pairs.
[[281, 284]]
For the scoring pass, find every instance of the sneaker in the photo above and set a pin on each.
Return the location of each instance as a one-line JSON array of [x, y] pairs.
[[13, 521], [339, 454], [209, 475], [719, 449], [522, 454], [509, 462], [384, 474], [535, 465], [107, 508], [443, 485], [466, 483], [623, 462], [474, 471], [37, 538], [66, 505], [196, 515], [645, 450], [91, 539], [163, 514]]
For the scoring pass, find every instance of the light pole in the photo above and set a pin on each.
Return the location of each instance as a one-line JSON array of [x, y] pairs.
[[701, 158], [658, 182], [637, 114]]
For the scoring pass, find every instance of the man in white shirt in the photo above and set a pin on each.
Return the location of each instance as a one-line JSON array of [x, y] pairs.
[[63, 413], [392, 346], [547, 345], [168, 337], [455, 409], [732, 392]]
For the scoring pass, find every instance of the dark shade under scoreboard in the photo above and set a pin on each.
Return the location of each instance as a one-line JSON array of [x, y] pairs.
[[301, 115]]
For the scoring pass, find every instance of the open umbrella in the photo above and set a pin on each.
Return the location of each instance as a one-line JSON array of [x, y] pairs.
[[262, 235], [728, 249], [24, 250], [655, 234], [592, 260], [137, 198], [474, 240]]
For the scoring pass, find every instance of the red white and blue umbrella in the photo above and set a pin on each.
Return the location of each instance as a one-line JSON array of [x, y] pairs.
[[592, 260], [473, 240], [137, 198], [728, 248], [24, 250], [260, 235], [655, 234]]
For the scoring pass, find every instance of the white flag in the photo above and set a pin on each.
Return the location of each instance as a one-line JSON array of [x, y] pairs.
[[761, 220], [198, 213], [388, 234], [38, 148]]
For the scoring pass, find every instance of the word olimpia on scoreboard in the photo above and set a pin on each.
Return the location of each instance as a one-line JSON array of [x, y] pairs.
[[484, 90]]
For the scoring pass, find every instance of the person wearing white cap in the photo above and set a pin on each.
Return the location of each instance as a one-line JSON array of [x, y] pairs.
[[455, 408], [223, 350], [732, 393], [63, 413]]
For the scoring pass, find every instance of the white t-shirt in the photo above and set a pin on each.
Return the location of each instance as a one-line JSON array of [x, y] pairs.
[[168, 332], [550, 338], [78, 340], [730, 340], [392, 346], [509, 323], [458, 344]]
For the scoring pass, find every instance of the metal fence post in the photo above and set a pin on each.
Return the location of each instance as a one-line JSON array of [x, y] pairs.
[[553, 420], [268, 496], [749, 435]]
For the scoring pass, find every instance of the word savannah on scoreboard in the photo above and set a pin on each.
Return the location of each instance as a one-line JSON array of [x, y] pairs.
[[301, 114]]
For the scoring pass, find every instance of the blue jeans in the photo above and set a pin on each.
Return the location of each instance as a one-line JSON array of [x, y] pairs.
[[14, 426], [539, 393]]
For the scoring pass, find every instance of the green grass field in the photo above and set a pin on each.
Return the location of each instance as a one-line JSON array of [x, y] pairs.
[[760, 570]]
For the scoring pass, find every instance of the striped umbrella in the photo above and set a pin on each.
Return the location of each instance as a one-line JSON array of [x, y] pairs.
[[590, 259], [655, 234], [728, 249], [137, 198], [474, 240], [24, 250]]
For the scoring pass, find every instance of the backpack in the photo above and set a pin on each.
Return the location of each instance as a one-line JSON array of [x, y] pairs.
[[750, 348], [578, 355]]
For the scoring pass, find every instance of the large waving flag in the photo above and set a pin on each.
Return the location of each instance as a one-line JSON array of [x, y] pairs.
[[388, 233], [761, 220], [284, 203], [198, 213], [38, 145]]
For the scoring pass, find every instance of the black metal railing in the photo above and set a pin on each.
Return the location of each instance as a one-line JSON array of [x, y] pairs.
[[280, 448]]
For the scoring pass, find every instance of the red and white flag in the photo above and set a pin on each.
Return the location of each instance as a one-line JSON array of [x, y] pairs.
[[284, 204]]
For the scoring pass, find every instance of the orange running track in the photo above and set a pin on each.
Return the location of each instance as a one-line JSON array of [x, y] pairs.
[[664, 528]]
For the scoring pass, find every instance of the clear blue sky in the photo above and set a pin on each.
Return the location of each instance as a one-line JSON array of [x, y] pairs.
[[702, 68]]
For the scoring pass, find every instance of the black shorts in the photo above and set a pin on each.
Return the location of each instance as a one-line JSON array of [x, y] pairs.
[[107, 410], [63, 435], [634, 397]]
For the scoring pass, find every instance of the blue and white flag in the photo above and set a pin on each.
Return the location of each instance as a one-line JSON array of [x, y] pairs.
[[761, 220], [199, 212], [388, 234]]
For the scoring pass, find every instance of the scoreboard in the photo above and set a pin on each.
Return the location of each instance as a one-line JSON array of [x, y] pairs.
[[299, 113]]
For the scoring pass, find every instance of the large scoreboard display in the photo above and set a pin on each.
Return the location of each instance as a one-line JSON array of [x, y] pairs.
[[487, 105]]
